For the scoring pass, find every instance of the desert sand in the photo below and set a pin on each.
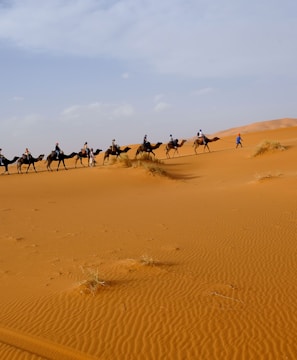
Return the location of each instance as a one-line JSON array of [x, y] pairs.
[[193, 257]]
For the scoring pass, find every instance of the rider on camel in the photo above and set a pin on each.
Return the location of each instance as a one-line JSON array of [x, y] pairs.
[[86, 148], [58, 150], [27, 154], [114, 147], [173, 142], [146, 143], [201, 135]]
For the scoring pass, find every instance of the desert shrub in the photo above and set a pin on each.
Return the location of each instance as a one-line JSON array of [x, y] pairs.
[[125, 160], [147, 260], [155, 170], [147, 157], [267, 146], [92, 283], [150, 164], [267, 176]]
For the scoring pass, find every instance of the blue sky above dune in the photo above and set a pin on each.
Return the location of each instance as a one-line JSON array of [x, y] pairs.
[[93, 70]]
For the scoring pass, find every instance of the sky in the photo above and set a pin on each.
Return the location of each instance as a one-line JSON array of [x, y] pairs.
[[93, 70]]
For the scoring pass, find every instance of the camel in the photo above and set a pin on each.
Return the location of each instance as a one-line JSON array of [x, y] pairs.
[[148, 148], [174, 145], [199, 141], [53, 157], [23, 160], [82, 154], [5, 162], [117, 152]]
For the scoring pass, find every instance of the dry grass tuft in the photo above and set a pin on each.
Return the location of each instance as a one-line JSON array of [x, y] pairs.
[[112, 160], [147, 157], [147, 260], [155, 170], [267, 176], [151, 164], [268, 146], [92, 284], [125, 161]]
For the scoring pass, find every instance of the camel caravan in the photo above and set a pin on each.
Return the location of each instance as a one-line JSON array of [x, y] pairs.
[[144, 150]]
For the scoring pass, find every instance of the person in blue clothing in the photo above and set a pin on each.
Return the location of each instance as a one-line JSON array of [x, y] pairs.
[[238, 141]]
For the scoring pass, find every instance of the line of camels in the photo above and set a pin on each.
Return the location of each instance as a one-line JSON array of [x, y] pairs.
[[148, 148]]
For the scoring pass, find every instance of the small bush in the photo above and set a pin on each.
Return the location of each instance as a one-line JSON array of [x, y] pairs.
[[147, 260], [267, 146], [125, 161], [155, 170], [267, 176], [152, 165], [147, 157], [92, 283]]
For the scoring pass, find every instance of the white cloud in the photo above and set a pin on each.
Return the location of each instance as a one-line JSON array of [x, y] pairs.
[[123, 110], [194, 38], [97, 110], [72, 111], [161, 106]]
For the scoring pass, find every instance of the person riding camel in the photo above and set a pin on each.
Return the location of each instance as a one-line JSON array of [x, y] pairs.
[[146, 143], [86, 149], [27, 154], [173, 142], [114, 147], [58, 151], [201, 135]]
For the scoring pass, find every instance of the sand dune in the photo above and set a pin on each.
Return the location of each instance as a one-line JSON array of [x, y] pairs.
[[260, 126], [191, 257]]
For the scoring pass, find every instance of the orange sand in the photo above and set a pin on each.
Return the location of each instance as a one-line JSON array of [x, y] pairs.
[[200, 264]]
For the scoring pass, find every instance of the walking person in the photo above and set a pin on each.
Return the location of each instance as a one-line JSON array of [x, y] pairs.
[[92, 160], [238, 141]]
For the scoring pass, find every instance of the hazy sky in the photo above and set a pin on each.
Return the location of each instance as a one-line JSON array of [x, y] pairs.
[[93, 70]]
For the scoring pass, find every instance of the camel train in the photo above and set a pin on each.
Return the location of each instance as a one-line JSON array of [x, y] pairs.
[[148, 148]]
